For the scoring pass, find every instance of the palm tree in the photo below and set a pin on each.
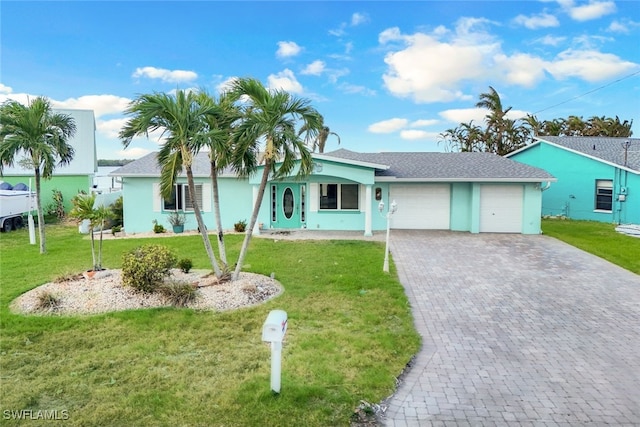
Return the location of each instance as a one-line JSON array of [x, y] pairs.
[[220, 126], [269, 123], [84, 209], [320, 140], [39, 134], [182, 120]]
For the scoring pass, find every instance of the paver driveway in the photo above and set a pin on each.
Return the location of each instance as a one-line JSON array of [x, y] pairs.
[[517, 330]]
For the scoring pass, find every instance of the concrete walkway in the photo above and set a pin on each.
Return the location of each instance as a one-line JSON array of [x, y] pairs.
[[517, 331]]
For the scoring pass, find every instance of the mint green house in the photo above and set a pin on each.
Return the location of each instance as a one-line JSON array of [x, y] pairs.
[[598, 177], [472, 192], [69, 179]]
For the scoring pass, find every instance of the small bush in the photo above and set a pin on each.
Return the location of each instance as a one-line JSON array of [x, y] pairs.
[[117, 212], [179, 294], [158, 228], [116, 229], [240, 226], [47, 302], [185, 265], [144, 268]]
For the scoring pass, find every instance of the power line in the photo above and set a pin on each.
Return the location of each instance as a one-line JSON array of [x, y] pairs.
[[587, 93]]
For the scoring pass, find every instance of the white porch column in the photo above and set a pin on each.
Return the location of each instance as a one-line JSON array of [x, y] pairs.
[[256, 226], [367, 212]]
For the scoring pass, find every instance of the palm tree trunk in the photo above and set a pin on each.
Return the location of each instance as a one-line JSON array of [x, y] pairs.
[[201, 226], [216, 209], [254, 219], [93, 247], [43, 248], [99, 265]]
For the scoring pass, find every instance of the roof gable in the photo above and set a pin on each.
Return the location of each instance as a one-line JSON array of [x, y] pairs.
[[623, 153]]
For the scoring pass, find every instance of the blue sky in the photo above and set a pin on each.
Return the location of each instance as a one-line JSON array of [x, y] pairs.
[[387, 76]]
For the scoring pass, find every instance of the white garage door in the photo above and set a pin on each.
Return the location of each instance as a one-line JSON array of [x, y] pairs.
[[421, 207], [501, 209]]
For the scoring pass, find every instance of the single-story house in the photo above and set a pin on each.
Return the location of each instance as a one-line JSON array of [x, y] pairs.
[[68, 179], [474, 192], [598, 177]]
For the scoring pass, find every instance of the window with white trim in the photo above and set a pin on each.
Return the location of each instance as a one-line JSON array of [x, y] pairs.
[[339, 196], [604, 195], [180, 199]]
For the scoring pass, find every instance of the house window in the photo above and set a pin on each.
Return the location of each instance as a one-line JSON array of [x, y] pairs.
[[339, 196], [604, 195], [180, 199]]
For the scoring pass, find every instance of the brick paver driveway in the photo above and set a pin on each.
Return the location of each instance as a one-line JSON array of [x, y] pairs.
[[517, 330]]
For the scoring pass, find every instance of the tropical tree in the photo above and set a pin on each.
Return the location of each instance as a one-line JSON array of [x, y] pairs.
[[84, 209], [320, 139], [267, 134], [220, 127], [182, 120], [40, 135]]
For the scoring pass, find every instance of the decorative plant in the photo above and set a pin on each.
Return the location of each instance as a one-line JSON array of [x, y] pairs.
[[158, 228], [84, 209], [185, 265], [144, 268], [176, 219], [240, 226]]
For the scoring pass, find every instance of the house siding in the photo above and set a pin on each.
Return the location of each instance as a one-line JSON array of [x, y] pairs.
[[573, 195], [68, 185]]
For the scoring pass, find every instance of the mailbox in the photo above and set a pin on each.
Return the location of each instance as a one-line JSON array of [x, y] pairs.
[[275, 326]]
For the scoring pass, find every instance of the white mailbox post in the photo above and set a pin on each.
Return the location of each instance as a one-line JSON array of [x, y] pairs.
[[273, 331]]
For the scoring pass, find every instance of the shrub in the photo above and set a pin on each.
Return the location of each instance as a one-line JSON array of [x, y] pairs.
[[240, 226], [116, 229], [158, 228], [47, 301], [56, 208], [179, 294], [144, 268], [117, 212], [185, 265]]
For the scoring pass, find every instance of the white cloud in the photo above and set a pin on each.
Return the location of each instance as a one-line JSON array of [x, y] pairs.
[[388, 126], [356, 89], [285, 80], [5, 89], [102, 105], [168, 76], [551, 40], [589, 65], [593, 10], [624, 27], [287, 49], [359, 18], [542, 20], [315, 68], [464, 115], [415, 134], [424, 123], [133, 152], [521, 69]]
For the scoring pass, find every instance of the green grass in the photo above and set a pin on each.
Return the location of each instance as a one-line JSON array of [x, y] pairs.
[[350, 334], [597, 238]]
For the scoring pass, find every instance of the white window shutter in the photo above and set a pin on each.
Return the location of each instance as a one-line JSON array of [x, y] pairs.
[[362, 198], [314, 196], [207, 197], [157, 197]]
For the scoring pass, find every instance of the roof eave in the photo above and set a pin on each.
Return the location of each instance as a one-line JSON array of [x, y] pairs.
[[505, 180]]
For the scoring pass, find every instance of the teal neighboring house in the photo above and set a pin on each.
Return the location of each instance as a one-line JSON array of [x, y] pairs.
[[72, 178], [472, 192], [598, 177]]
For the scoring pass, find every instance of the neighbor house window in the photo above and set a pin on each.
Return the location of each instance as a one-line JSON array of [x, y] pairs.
[[339, 196], [604, 195], [180, 199]]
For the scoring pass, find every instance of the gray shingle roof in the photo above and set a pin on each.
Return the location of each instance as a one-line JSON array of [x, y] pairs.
[[446, 166], [148, 166], [608, 149]]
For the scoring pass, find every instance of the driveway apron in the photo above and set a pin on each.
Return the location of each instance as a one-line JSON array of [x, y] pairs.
[[517, 331]]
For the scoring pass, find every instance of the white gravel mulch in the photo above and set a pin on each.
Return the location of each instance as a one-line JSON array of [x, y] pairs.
[[106, 293]]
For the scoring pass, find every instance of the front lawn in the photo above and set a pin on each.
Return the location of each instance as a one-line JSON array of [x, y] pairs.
[[350, 334], [598, 238]]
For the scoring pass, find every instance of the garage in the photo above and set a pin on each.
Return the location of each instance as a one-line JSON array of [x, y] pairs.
[[421, 207], [501, 208]]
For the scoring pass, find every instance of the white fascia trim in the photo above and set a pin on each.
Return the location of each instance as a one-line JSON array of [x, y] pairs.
[[350, 162], [427, 180]]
